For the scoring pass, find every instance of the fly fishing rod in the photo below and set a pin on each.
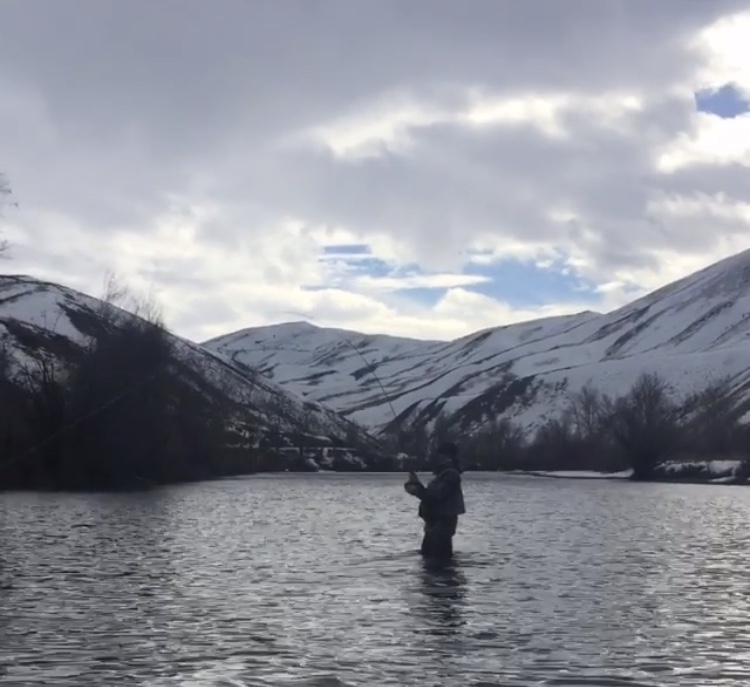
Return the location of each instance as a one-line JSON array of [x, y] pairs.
[[370, 367]]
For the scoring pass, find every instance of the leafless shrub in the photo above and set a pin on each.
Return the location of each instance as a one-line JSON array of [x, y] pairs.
[[5, 195], [644, 425], [498, 445]]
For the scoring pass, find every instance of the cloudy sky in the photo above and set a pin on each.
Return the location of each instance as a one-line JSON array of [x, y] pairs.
[[423, 168]]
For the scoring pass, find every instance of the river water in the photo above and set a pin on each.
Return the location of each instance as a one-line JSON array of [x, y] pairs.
[[315, 580]]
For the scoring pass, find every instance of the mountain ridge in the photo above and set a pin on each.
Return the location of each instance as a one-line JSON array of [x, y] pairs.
[[692, 331]]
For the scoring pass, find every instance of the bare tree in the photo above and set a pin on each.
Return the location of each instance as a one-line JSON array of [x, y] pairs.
[[5, 194], [711, 420], [644, 425], [587, 412], [415, 442], [8, 397], [498, 445], [443, 430], [45, 413], [5, 359], [555, 447]]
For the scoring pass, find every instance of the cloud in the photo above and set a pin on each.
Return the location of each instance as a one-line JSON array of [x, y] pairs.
[[222, 159], [418, 281]]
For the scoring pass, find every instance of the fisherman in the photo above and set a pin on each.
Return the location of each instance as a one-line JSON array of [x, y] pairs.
[[441, 502]]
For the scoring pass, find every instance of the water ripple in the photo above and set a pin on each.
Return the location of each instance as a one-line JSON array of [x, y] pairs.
[[314, 581]]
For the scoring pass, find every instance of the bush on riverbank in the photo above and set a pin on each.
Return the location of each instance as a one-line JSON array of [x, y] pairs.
[[642, 430]]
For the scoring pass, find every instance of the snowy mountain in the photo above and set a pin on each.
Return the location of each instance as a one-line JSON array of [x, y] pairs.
[[691, 332], [43, 318]]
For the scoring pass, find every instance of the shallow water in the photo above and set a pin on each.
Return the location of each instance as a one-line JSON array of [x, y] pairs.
[[314, 580]]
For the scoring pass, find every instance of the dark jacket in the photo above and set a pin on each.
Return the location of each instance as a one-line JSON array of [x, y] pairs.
[[442, 498]]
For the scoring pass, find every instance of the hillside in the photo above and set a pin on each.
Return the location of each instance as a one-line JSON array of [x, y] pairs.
[[39, 318], [691, 332]]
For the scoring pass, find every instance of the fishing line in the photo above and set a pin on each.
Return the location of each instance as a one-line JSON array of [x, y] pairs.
[[368, 364]]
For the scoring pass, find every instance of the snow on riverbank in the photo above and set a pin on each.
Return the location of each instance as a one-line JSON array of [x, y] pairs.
[[575, 474], [717, 468], [714, 471]]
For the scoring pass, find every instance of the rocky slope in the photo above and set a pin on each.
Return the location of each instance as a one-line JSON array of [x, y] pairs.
[[691, 332]]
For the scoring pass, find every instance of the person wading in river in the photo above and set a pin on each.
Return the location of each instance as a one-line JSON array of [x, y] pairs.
[[441, 502]]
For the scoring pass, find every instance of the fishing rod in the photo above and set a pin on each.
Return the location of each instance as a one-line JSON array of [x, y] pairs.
[[370, 367]]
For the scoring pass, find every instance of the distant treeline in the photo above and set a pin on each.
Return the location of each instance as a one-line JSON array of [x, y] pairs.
[[640, 430]]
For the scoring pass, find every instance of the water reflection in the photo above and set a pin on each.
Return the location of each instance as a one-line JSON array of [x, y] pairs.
[[443, 585], [437, 610]]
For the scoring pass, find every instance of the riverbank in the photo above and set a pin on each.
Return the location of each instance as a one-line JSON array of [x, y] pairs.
[[683, 472], [573, 474]]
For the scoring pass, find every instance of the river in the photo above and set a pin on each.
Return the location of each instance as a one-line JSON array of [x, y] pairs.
[[314, 580]]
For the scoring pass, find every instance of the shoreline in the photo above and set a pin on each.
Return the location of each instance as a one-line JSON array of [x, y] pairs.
[[712, 472], [626, 476], [571, 474]]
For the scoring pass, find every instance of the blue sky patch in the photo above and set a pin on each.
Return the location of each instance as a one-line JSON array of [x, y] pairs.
[[522, 284], [356, 265], [725, 102]]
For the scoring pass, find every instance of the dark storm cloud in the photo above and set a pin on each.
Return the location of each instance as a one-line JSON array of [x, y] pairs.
[[188, 57], [187, 74]]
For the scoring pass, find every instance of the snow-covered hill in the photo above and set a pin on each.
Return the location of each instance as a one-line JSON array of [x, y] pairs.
[[37, 317], [691, 332]]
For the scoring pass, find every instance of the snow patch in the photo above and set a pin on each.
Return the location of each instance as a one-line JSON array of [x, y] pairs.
[[719, 468], [577, 474]]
